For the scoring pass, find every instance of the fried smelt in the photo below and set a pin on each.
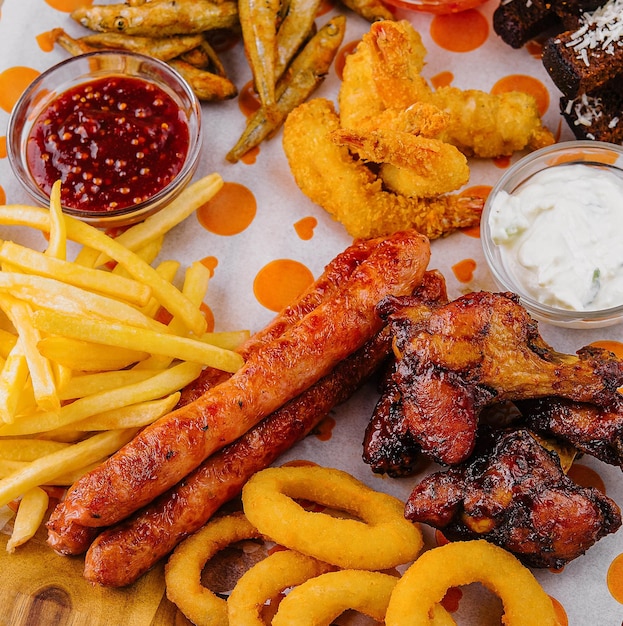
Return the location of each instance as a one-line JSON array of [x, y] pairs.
[[308, 69], [159, 18]]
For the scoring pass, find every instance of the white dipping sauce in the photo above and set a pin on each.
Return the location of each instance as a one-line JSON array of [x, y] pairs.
[[561, 236]]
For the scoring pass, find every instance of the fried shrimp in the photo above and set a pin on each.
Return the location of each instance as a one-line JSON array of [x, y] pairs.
[[410, 165], [351, 192], [385, 73]]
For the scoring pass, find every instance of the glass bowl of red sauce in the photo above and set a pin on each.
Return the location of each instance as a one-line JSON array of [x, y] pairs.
[[122, 131]]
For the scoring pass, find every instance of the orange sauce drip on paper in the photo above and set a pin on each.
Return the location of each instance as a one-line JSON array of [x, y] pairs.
[[616, 347], [586, 477], [526, 84], [559, 612], [305, 227], [3, 147], [67, 6], [280, 282], [248, 100], [340, 58], [460, 32], [45, 41], [501, 161], [464, 270], [614, 578], [324, 430], [534, 48], [230, 211], [2, 195], [249, 157], [13, 82], [325, 7], [443, 79], [210, 262], [208, 315]]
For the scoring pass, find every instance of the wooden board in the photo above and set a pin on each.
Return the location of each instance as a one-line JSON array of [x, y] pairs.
[[41, 588]]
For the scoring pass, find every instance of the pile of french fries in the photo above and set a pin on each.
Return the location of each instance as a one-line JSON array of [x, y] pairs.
[[84, 360]]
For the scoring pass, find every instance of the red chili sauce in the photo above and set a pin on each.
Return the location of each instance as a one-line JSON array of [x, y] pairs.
[[113, 142]]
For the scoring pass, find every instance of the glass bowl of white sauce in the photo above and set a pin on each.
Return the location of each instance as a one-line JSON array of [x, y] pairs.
[[552, 232]]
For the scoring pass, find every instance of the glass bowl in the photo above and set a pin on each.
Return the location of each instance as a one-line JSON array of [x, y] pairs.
[[161, 111], [563, 266]]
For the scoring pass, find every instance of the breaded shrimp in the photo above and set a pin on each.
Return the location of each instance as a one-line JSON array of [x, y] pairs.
[[349, 191], [384, 73], [411, 165]]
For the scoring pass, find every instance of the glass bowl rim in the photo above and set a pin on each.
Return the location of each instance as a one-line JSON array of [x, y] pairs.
[[515, 177], [192, 112]]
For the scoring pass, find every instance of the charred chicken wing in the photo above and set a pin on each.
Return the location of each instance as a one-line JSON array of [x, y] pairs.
[[480, 349], [513, 493]]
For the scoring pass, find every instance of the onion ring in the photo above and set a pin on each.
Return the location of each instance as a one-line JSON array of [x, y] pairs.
[[265, 580], [318, 601], [183, 569], [426, 581], [380, 538]]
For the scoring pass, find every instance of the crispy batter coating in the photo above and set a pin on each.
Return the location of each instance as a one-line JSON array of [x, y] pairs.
[[385, 72], [351, 192]]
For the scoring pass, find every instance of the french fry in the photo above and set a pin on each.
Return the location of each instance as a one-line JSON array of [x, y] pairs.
[[27, 449], [157, 386], [228, 340], [133, 416], [57, 246], [7, 468], [79, 232], [155, 226], [7, 342], [88, 384], [12, 382], [33, 262], [84, 356], [133, 338], [39, 368], [30, 513], [49, 293], [57, 463]]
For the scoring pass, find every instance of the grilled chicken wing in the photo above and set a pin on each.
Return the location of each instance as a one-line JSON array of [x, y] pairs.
[[513, 493], [588, 428], [475, 351]]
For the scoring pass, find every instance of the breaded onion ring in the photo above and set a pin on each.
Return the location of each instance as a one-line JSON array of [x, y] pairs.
[[380, 537], [266, 580], [320, 600], [426, 581], [183, 570]]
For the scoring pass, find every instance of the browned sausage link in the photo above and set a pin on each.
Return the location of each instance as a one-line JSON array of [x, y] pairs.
[[120, 555], [333, 277], [335, 273], [166, 451], [67, 537]]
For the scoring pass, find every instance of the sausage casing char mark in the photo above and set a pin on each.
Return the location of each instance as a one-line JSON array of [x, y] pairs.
[[120, 555], [165, 452], [68, 537]]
